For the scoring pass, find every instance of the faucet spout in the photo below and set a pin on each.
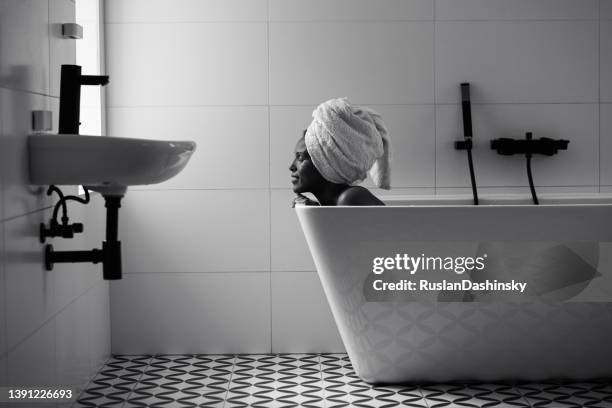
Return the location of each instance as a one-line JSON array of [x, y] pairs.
[[70, 96], [94, 80]]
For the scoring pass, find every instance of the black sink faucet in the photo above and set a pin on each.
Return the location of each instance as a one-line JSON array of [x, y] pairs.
[[70, 96]]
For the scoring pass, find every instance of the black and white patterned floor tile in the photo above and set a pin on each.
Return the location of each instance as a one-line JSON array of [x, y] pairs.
[[563, 394], [276, 381], [473, 395], [183, 381], [343, 388], [114, 383], [304, 380]]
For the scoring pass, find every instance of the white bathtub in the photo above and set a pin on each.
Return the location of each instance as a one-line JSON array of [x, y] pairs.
[[562, 332]]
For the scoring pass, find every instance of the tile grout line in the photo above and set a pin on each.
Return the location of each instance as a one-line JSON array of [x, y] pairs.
[[371, 104], [320, 364], [269, 177], [435, 106], [599, 93], [229, 381], [4, 353], [49, 36], [523, 397], [352, 21], [137, 382], [425, 400], [93, 376]]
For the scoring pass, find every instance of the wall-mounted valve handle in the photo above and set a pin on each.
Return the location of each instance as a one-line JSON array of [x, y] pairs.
[[543, 145], [56, 229]]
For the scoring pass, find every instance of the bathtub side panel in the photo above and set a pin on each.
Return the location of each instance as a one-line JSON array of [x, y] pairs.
[[398, 341]]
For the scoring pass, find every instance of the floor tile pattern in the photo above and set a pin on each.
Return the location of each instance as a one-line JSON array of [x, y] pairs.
[[306, 380]]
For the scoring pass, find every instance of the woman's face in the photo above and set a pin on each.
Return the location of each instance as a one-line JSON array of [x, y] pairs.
[[304, 175]]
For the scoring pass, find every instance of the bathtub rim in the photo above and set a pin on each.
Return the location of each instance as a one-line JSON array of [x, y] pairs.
[[487, 201]]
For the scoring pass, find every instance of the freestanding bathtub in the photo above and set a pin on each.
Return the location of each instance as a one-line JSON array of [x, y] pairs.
[[561, 327]]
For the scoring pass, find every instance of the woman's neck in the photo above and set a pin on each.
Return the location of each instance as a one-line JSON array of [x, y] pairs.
[[328, 193]]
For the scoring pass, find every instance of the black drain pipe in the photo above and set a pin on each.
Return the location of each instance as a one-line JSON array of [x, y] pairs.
[[109, 255], [111, 265]]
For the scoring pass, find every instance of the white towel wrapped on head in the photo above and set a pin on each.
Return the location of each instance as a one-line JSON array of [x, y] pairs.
[[345, 142]]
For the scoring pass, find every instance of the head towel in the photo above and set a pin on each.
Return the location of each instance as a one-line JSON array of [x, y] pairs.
[[345, 142]]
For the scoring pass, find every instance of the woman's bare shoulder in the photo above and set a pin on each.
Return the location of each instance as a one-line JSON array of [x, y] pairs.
[[357, 195]]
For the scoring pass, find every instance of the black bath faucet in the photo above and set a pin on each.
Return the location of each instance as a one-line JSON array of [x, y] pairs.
[[543, 145], [70, 96]]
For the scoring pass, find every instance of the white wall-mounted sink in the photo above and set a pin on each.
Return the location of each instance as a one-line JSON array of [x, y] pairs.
[[105, 164]]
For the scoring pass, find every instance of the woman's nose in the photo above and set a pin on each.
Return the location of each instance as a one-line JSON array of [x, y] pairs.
[[292, 166]]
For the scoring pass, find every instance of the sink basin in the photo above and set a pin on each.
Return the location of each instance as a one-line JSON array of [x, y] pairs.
[[105, 164]]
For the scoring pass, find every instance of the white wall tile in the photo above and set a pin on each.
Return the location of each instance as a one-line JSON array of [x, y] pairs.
[[87, 8], [517, 61], [605, 149], [605, 9], [412, 134], [289, 248], [24, 45], [411, 130], [3, 346], [516, 9], [99, 318], [62, 50], [3, 145], [195, 231], [388, 63], [16, 111], [178, 313], [403, 191], [577, 166], [350, 10], [286, 126], [72, 339], [19, 196], [119, 11], [88, 49], [302, 321], [524, 191], [232, 149], [33, 361], [187, 64], [3, 371], [73, 279], [605, 61], [164, 76], [29, 287], [91, 122], [31, 296], [94, 216]]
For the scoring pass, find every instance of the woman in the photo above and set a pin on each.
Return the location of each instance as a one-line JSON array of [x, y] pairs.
[[341, 145]]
